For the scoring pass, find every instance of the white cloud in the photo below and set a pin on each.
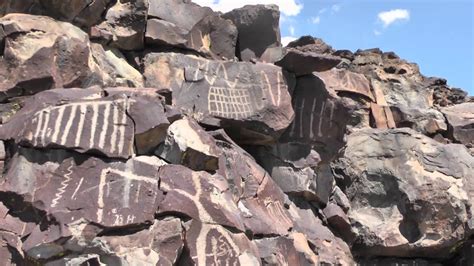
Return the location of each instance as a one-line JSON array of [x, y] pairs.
[[287, 39], [335, 8], [316, 20], [292, 30], [377, 33], [322, 11], [389, 17], [287, 7]]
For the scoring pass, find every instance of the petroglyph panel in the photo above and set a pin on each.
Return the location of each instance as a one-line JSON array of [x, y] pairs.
[[320, 118], [230, 103], [107, 194], [214, 245], [99, 125], [198, 195], [221, 93]]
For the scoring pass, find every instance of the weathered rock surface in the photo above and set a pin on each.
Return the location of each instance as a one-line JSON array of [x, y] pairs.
[[188, 144], [259, 31], [251, 101], [42, 54], [160, 132], [400, 204], [305, 63], [132, 121], [184, 14], [295, 168], [399, 85], [311, 44], [82, 13], [124, 25], [461, 123]]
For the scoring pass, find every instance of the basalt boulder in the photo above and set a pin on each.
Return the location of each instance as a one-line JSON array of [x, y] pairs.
[[259, 31], [182, 13], [296, 168], [399, 86], [461, 123], [79, 12], [133, 121], [305, 63], [251, 101], [41, 54], [65, 190], [322, 117], [410, 195], [188, 144], [124, 26], [311, 44], [261, 202]]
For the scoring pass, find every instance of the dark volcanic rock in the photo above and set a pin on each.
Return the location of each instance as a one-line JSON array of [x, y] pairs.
[[209, 243], [199, 196], [400, 91], [182, 13], [311, 44], [260, 200], [305, 63], [79, 12], [282, 250], [400, 204], [69, 118], [461, 123], [124, 25], [160, 132], [251, 101], [321, 117], [259, 30], [70, 194], [295, 168], [188, 144], [162, 32], [214, 36], [41, 54]]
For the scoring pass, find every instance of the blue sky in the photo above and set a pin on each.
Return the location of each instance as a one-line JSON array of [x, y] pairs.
[[437, 34]]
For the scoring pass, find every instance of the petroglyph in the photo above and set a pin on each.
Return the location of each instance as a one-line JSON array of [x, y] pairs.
[[215, 246], [126, 176], [230, 103], [64, 184], [75, 125], [276, 210], [203, 214]]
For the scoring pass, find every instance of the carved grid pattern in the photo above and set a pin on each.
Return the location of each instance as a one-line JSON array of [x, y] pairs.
[[230, 103]]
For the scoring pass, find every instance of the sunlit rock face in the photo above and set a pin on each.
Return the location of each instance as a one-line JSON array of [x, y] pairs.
[[160, 132]]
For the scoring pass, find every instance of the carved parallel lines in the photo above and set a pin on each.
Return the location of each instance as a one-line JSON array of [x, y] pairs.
[[313, 122], [92, 125], [229, 103]]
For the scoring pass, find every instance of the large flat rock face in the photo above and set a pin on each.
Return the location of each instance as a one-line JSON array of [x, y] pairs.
[[407, 198], [88, 121], [160, 132], [461, 123], [82, 13], [40, 53], [259, 31], [251, 101]]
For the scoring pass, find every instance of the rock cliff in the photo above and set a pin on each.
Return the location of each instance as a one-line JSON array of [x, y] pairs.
[[160, 132]]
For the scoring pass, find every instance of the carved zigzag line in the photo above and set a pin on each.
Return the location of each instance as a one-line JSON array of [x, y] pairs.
[[62, 189]]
